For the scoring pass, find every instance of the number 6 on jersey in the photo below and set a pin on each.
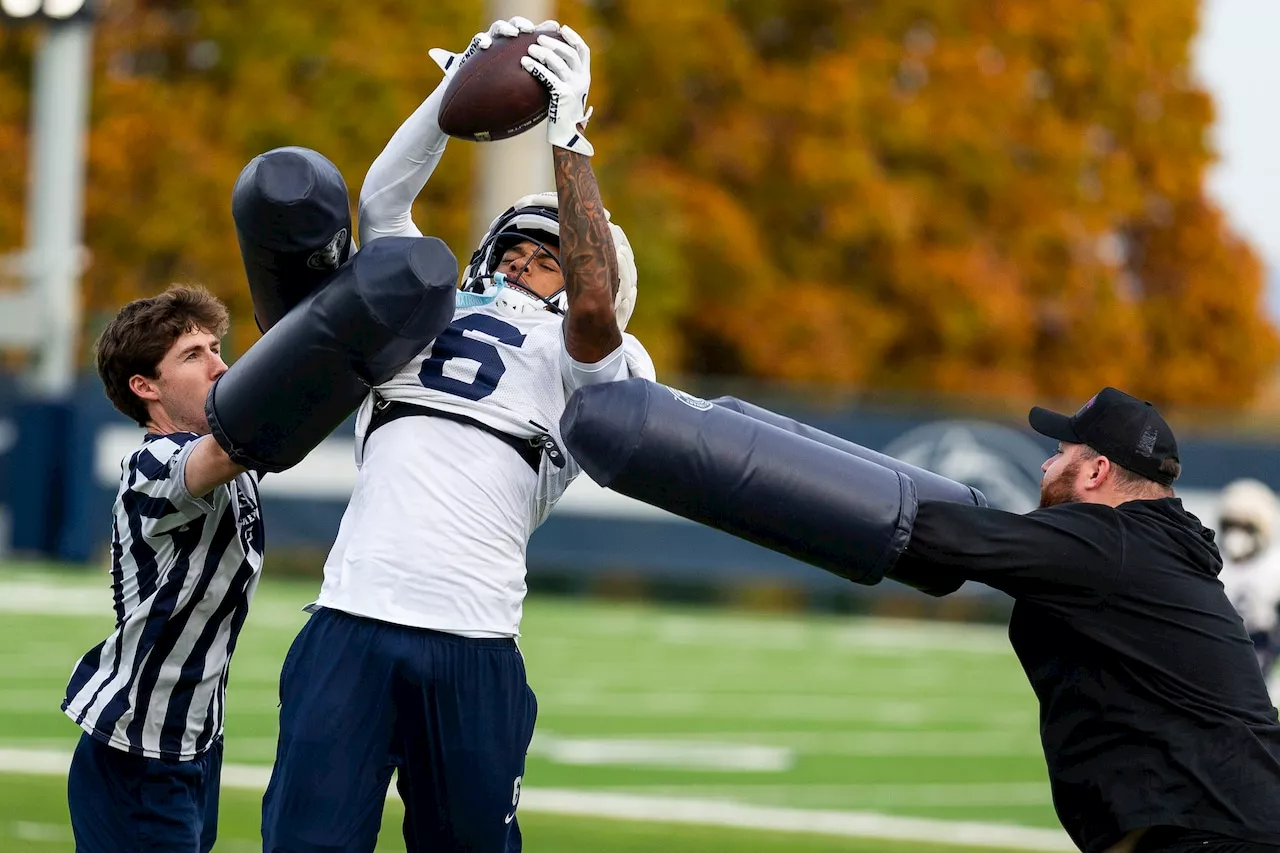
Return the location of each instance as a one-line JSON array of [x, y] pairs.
[[454, 344]]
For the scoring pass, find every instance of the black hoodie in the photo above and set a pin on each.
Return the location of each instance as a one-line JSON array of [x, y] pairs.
[[1153, 711]]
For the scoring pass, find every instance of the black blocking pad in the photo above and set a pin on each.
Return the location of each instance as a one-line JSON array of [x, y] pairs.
[[929, 486], [712, 465], [292, 215], [311, 370]]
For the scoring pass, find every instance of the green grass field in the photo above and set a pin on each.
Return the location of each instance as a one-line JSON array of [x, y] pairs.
[[690, 715]]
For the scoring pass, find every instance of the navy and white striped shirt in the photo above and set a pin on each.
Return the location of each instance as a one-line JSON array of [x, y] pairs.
[[183, 570]]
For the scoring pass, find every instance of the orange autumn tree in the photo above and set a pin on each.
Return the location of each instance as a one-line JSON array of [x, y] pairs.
[[977, 197], [1001, 198], [186, 93]]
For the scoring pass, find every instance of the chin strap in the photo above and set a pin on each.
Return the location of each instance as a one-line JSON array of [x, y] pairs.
[[501, 279], [479, 296], [478, 299]]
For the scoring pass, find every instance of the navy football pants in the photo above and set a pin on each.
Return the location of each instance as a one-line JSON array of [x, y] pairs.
[[453, 716], [122, 803]]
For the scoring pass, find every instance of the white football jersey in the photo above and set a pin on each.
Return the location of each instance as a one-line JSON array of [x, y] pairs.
[[438, 524], [1253, 587]]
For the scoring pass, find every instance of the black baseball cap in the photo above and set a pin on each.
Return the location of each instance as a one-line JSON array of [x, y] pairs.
[[1126, 430]]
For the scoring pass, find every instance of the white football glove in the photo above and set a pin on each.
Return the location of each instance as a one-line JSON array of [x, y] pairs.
[[450, 61], [564, 67]]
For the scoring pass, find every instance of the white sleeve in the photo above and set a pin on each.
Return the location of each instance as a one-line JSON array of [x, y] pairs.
[[399, 174], [626, 362], [1269, 597], [1254, 591]]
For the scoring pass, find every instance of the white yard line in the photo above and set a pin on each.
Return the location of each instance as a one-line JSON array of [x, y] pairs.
[[900, 713], [90, 595], [25, 830], [718, 628], [948, 743], [744, 816], [865, 795], [859, 635], [54, 600], [35, 762], [674, 810], [669, 753], [35, 598]]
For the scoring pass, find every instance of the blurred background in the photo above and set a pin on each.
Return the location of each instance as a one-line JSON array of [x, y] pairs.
[[902, 221]]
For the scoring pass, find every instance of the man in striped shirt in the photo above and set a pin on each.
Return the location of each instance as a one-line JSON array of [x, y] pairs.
[[186, 550]]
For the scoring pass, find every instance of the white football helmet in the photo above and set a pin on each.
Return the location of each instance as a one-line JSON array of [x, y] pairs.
[[537, 218], [1247, 511]]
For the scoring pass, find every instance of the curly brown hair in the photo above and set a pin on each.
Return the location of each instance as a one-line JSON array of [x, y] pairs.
[[136, 340]]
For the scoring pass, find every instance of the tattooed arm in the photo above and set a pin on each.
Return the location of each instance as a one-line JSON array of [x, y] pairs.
[[588, 260]]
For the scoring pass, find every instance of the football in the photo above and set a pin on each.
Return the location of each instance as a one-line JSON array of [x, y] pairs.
[[491, 96]]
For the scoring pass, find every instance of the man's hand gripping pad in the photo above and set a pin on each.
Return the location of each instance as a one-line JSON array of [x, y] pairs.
[[306, 375], [710, 464]]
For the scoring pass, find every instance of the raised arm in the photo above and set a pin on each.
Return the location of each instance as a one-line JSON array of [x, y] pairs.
[[404, 166], [587, 257], [587, 254], [399, 174]]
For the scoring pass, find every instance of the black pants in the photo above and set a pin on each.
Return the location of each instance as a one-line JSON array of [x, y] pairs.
[[1174, 839]]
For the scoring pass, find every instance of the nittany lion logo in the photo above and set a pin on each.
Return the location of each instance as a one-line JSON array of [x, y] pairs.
[[248, 517], [1000, 462], [330, 257]]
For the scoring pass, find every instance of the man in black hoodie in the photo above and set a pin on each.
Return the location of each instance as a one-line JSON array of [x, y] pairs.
[[1155, 721]]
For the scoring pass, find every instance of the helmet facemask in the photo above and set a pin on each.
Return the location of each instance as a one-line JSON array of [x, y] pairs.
[[1247, 515], [555, 302], [535, 218]]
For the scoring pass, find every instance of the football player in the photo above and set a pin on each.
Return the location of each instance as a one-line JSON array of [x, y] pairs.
[[409, 661], [1251, 564]]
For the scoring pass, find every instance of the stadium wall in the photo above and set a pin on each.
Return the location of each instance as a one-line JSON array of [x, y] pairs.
[[60, 464]]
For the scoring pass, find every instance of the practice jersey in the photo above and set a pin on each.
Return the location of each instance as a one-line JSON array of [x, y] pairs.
[[1253, 587], [183, 570], [436, 531]]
